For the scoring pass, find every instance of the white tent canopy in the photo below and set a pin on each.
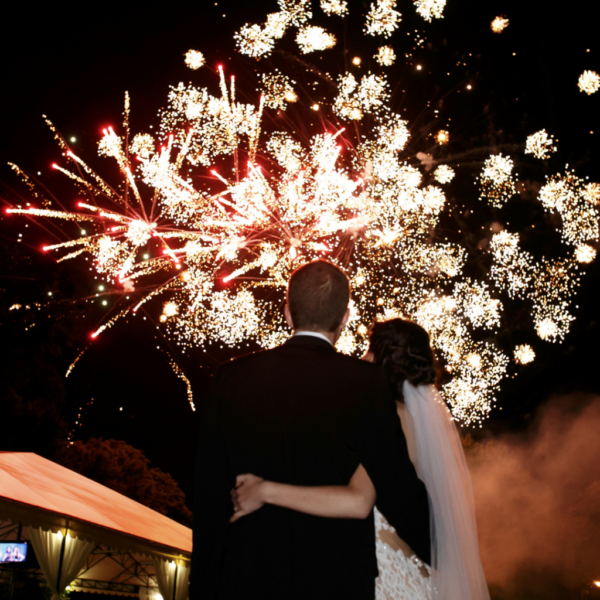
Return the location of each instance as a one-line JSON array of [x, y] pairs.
[[82, 531]]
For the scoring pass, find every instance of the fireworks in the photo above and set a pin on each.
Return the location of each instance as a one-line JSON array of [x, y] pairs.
[[258, 41], [334, 7], [499, 24], [584, 253], [473, 299], [255, 41], [512, 268], [212, 261], [568, 195], [442, 137], [383, 18], [589, 82], [194, 59], [540, 144], [524, 354], [430, 9], [497, 184], [355, 99], [312, 39], [444, 174], [278, 90], [385, 56]]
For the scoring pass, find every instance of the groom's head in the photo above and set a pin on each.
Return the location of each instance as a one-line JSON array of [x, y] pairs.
[[317, 298]]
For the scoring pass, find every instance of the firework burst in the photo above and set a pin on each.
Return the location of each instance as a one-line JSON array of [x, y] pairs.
[[589, 82], [540, 144], [215, 260], [499, 24]]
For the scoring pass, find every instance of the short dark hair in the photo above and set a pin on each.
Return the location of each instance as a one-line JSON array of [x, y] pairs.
[[318, 294]]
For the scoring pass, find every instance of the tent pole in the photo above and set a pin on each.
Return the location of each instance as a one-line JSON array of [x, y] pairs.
[[175, 581], [62, 555]]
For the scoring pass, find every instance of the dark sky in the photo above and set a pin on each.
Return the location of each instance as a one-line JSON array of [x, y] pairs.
[[73, 62]]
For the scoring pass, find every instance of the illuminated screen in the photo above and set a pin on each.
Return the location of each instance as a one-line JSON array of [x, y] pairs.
[[12, 552]]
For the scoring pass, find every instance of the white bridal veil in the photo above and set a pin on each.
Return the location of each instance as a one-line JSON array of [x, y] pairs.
[[440, 463]]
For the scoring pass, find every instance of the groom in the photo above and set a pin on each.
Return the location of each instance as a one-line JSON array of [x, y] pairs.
[[302, 414]]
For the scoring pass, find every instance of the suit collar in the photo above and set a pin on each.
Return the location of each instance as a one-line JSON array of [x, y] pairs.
[[308, 341], [313, 334]]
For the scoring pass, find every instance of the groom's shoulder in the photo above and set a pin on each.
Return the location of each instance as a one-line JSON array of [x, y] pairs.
[[284, 356], [249, 362], [245, 360]]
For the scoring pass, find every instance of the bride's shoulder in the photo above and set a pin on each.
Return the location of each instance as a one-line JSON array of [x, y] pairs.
[[359, 367]]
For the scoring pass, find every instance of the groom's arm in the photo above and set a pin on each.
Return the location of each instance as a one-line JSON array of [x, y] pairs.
[[212, 502], [381, 448]]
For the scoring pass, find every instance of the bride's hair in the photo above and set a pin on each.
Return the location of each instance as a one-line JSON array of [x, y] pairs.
[[404, 350]]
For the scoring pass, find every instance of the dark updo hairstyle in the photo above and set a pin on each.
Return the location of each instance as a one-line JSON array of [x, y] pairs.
[[404, 350]]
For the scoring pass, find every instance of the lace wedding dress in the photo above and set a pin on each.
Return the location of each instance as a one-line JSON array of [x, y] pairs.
[[436, 451], [400, 577]]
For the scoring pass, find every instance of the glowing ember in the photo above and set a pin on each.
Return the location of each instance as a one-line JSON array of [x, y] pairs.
[[442, 137], [170, 309], [499, 24]]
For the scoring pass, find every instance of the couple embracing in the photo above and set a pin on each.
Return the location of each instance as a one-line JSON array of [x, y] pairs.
[[297, 446]]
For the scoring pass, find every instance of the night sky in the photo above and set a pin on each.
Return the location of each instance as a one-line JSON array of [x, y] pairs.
[[73, 62]]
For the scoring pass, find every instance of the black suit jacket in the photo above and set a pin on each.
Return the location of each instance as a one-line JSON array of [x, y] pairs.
[[302, 414]]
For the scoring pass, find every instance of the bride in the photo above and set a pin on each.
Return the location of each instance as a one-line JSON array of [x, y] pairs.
[[403, 348]]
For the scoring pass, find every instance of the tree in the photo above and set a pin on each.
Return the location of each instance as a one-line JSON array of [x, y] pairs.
[[126, 470], [24, 585], [32, 342]]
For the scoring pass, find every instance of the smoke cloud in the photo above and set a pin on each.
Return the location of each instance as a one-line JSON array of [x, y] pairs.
[[538, 503]]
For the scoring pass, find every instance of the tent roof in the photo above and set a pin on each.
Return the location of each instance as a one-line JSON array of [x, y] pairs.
[[41, 493]]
